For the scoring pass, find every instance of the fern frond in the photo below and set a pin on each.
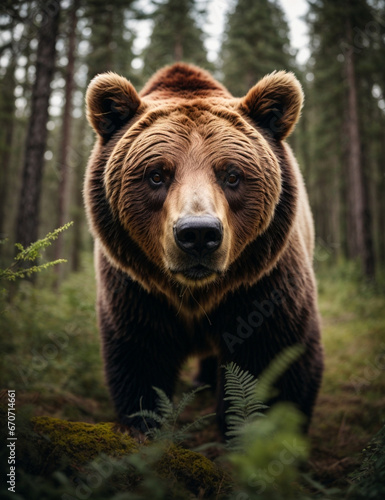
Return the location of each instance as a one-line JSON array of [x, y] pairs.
[[167, 415], [246, 395], [148, 414], [244, 406], [240, 390], [195, 425], [163, 404], [187, 398], [280, 364]]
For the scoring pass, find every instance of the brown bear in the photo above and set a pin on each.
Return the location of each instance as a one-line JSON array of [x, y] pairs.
[[203, 234]]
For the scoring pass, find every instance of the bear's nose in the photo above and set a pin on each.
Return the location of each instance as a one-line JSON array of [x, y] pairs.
[[198, 235]]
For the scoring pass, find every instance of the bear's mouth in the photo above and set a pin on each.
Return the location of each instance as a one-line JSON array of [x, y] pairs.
[[196, 273]]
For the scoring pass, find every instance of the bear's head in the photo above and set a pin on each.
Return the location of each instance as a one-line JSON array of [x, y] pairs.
[[188, 187]]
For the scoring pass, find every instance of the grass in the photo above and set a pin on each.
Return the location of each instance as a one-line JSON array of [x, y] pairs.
[[51, 357], [51, 351], [351, 406]]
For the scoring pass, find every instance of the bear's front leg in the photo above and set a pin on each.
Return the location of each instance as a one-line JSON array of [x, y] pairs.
[[259, 329], [299, 384], [134, 364]]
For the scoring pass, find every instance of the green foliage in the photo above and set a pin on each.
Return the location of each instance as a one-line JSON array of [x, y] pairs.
[[52, 346], [32, 253], [279, 365], [167, 416], [130, 477], [240, 390], [67, 460], [246, 394], [370, 477], [266, 466]]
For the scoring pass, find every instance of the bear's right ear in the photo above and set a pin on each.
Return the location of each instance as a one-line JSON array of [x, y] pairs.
[[111, 102]]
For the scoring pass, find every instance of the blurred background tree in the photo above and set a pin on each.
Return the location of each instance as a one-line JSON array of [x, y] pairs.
[[256, 42], [344, 109], [176, 35]]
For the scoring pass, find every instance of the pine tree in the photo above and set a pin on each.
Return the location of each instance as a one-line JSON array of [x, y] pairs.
[[176, 36], [256, 42], [343, 79], [14, 23], [110, 41], [7, 114], [110, 49], [325, 111], [29, 201], [65, 143]]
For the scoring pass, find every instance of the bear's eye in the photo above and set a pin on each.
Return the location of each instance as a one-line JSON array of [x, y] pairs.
[[233, 179], [156, 178]]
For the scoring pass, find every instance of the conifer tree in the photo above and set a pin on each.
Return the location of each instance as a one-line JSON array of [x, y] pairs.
[[110, 49], [256, 42], [110, 41], [28, 218], [65, 143], [176, 36], [344, 69]]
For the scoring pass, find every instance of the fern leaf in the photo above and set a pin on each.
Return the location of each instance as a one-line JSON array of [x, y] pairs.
[[163, 404], [244, 406], [166, 416], [276, 369], [187, 398], [148, 414]]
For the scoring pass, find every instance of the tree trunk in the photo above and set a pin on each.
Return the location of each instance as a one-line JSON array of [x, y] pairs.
[[8, 113], [66, 135], [178, 48], [77, 217], [380, 200], [360, 240], [84, 140], [29, 202]]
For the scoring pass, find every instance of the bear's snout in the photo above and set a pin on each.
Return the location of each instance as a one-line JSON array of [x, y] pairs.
[[198, 235]]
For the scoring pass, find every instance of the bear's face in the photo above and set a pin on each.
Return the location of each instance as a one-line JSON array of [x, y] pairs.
[[183, 190], [190, 182]]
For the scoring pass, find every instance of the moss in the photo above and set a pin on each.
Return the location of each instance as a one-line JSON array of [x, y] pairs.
[[47, 444], [81, 442], [196, 472]]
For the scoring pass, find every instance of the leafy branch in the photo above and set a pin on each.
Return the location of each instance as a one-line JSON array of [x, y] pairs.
[[30, 254]]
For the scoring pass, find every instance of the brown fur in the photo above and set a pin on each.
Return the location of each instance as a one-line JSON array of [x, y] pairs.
[[188, 127]]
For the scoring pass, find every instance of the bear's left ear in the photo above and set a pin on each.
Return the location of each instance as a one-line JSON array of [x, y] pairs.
[[275, 103], [111, 102]]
